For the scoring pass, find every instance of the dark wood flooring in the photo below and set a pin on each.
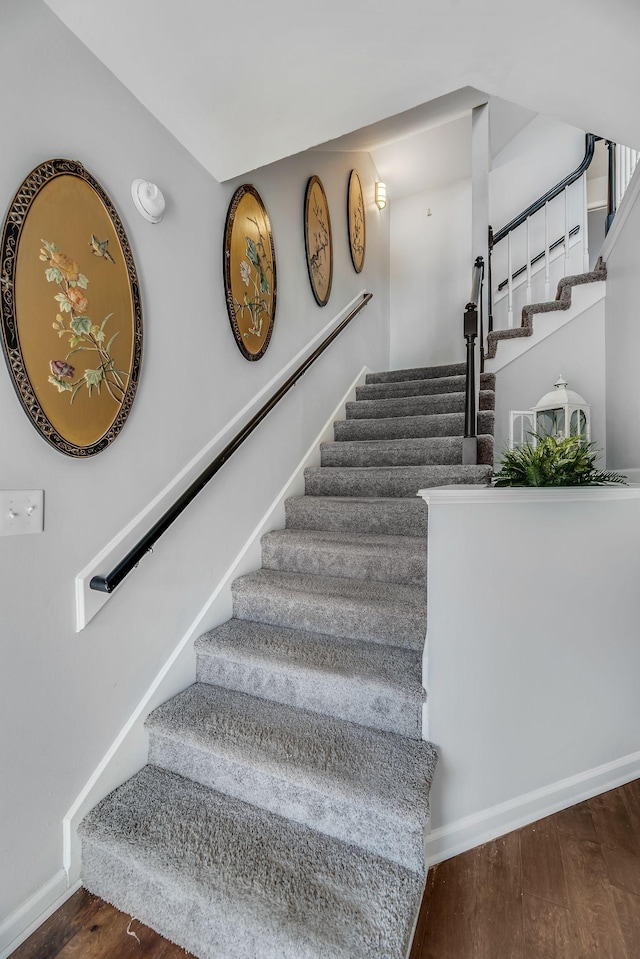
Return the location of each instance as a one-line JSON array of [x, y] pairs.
[[566, 887]]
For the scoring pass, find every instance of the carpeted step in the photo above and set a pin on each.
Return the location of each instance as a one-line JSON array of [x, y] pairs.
[[417, 373], [395, 559], [389, 613], [414, 451], [405, 427], [351, 514], [366, 683], [361, 785], [416, 405], [225, 879], [436, 384], [387, 480]]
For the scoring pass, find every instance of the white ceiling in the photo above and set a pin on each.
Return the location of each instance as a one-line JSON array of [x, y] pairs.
[[245, 84]]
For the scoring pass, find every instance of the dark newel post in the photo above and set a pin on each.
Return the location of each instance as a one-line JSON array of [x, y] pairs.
[[490, 289], [611, 193], [470, 441]]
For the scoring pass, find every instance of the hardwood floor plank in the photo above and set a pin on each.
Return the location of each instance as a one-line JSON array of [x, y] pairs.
[[451, 910], [78, 912], [548, 930], [628, 911], [577, 821], [614, 826], [542, 870], [499, 930], [596, 924], [623, 867], [420, 934], [631, 794]]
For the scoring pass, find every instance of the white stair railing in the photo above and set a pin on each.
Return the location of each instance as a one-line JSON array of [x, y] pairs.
[[561, 213]]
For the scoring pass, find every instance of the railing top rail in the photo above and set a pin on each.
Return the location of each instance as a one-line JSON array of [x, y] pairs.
[[476, 283], [590, 144], [107, 584]]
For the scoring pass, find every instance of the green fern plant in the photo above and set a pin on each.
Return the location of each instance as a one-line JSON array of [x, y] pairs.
[[554, 462]]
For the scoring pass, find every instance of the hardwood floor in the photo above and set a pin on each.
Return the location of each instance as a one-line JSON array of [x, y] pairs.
[[566, 887]]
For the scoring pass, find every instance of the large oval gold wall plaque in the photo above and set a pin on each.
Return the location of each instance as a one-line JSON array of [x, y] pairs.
[[249, 264], [356, 221], [71, 312], [317, 239]]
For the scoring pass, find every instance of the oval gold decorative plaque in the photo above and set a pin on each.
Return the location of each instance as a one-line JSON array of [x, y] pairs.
[[71, 312], [249, 264], [356, 221], [317, 240]]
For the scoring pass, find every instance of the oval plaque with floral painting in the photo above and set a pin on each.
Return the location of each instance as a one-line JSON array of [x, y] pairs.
[[249, 272], [71, 313], [356, 221], [317, 239]]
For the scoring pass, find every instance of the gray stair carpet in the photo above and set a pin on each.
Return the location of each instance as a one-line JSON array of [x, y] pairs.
[[283, 811]]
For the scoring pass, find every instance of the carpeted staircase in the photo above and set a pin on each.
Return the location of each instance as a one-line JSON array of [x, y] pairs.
[[283, 810]]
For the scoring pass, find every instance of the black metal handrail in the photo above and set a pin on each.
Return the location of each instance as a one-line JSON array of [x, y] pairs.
[[106, 584], [539, 256], [590, 145], [470, 329]]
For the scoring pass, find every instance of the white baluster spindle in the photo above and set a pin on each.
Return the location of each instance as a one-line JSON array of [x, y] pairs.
[[585, 225], [547, 278], [528, 259], [509, 282], [566, 231]]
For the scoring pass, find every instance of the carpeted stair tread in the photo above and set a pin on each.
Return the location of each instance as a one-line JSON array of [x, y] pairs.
[[390, 613], [417, 373], [227, 880], [388, 480], [367, 683], [354, 783], [352, 514], [434, 384], [421, 405], [411, 451], [406, 427], [395, 559]]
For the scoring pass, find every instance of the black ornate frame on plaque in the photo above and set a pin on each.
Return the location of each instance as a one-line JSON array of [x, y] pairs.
[[20, 208], [356, 222], [249, 266], [318, 240]]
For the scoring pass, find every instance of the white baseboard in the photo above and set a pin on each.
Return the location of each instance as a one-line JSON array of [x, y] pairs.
[[89, 602], [26, 918], [128, 752], [447, 841]]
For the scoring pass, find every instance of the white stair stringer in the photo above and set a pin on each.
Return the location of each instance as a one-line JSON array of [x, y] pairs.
[[583, 297]]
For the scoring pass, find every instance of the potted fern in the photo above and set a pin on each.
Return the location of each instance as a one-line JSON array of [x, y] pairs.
[[552, 461]]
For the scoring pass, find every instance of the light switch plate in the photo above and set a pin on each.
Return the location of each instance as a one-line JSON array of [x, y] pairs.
[[21, 511]]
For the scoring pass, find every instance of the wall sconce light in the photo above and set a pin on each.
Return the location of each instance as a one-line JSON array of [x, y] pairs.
[[148, 199], [381, 194]]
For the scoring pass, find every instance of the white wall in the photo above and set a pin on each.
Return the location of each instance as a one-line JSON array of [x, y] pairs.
[[577, 350], [622, 247], [64, 697], [532, 655], [430, 275]]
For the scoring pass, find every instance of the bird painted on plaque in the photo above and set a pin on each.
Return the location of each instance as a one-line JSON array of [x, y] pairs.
[[99, 248]]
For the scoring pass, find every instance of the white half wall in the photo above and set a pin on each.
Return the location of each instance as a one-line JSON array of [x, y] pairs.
[[532, 655]]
